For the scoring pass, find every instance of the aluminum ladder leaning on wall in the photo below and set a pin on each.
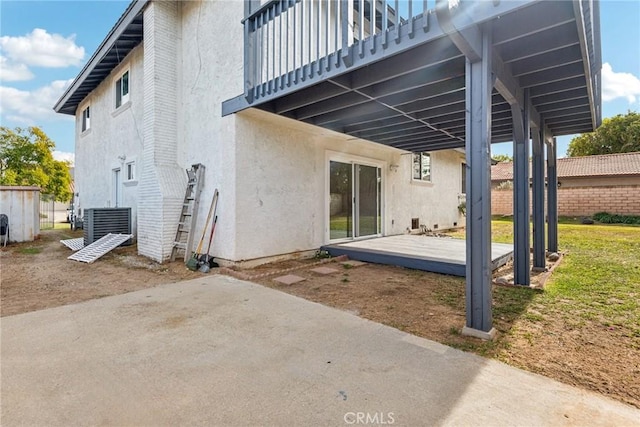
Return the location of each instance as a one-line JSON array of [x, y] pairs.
[[183, 243]]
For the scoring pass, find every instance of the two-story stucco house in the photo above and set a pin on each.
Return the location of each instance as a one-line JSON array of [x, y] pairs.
[[148, 105], [323, 121]]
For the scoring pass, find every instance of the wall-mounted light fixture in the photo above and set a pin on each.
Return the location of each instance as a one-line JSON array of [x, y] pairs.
[[394, 168]]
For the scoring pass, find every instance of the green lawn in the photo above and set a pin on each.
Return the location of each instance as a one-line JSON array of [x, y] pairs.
[[598, 280]]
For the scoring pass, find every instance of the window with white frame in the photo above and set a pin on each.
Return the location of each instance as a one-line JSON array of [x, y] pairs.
[[130, 171], [86, 118], [422, 167], [122, 89]]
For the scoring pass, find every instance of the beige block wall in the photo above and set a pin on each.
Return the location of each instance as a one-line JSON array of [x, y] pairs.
[[580, 201]]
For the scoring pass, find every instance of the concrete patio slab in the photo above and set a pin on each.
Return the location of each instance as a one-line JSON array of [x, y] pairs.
[[289, 279], [324, 270], [220, 351]]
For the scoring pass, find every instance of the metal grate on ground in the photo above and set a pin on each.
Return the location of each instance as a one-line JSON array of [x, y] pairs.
[[100, 247], [74, 244]]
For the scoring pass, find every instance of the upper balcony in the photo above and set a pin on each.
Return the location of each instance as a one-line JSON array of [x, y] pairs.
[[393, 72]]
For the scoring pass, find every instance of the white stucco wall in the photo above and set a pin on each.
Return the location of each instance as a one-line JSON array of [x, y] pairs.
[[282, 185], [114, 139], [434, 203], [271, 172], [211, 72]]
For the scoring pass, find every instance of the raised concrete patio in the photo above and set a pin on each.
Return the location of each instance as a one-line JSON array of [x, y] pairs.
[[436, 254]]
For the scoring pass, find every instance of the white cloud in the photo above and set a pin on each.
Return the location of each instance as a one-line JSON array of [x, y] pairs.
[[619, 85], [30, 107], [41, 49], [12, 72], [64, 156]]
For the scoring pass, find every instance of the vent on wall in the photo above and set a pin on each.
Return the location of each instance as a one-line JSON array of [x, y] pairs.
[[98, 222]]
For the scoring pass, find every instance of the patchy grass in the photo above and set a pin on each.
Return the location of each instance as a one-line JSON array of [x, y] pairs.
[[600, 278], [30, 251], [57, 226], [584, 328]]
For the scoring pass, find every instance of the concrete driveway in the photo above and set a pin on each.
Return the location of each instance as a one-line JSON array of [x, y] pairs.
[[219, 351]]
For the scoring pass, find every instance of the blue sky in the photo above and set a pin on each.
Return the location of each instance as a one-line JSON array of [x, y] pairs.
[[44, 44]]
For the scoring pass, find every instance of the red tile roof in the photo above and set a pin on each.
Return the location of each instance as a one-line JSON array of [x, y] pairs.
[[605, 165]]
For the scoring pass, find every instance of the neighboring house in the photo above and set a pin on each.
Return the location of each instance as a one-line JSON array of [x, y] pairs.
[[148, 106], [586, 185]]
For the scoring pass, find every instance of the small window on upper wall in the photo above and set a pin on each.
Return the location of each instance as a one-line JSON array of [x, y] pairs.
[[86, 119], [131, 171], [122, 89], [422, 167]]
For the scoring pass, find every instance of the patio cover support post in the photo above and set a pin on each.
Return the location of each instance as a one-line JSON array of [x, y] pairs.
[[552, 197], [538, 197], [521, 236], [479, 85]]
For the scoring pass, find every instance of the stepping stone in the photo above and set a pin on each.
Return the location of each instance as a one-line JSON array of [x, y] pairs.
[[289, 279], [324, 270], [353, 263]]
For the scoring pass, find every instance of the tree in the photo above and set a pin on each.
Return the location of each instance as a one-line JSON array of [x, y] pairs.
[[26, 158], [619, 134], [502, 158]]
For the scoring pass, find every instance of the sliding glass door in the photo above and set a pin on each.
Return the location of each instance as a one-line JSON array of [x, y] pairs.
[[354, 200], [341, 200]]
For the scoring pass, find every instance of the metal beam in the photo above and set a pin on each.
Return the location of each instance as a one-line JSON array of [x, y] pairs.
[[479, 86], [565, 55], [559, 97], [521, 192], [586, 64], [537, 175], [533, 20], [525, 47], [510, 89], [468, 40], [552, 197], [559, 87], [563, 105]]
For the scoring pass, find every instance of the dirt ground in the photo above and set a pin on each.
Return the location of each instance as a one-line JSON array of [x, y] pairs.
[[37, 275]]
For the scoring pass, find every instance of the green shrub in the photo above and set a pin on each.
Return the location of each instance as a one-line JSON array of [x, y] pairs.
[[607, 218]]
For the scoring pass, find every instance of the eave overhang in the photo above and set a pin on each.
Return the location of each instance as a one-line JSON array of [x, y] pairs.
[[125, 35]]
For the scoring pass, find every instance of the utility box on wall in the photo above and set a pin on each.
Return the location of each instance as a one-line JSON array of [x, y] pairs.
[[98, 222], [22, 206]]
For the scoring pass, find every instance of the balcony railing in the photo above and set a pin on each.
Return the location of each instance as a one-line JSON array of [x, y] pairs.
[[291, 41]]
